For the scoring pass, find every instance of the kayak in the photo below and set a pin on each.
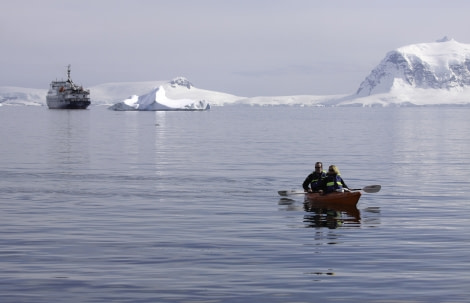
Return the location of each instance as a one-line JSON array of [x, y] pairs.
[[347, 198], [366, 189]]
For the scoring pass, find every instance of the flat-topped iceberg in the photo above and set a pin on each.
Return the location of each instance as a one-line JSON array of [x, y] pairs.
[[156, 100]]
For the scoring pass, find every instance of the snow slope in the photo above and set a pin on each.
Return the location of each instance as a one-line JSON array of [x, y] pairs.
[[22, 96], [156, 100]]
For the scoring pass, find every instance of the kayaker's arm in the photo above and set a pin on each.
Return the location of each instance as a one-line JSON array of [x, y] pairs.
[[307, 182], [344, 184]]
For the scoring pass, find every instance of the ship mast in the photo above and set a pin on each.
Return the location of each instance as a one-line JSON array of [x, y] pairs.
[[68, 73], [69, 80]]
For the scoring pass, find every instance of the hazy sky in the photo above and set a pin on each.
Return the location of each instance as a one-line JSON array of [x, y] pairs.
[[247, 48]]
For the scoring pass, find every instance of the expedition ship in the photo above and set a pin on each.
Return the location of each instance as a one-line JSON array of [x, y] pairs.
[[66, 95]]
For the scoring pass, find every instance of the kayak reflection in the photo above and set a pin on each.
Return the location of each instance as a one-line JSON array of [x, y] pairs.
[[330, 216]]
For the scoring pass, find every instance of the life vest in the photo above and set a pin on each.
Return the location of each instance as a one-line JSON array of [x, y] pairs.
[[333, 183], [316, 183]]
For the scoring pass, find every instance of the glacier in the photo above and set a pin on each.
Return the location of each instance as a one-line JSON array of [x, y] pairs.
[[423, 74], [11, 95]]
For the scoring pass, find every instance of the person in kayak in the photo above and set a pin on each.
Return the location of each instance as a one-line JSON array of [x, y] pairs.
[[312, 183], [333, 181]]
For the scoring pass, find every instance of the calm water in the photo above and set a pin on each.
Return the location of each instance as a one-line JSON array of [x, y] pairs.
[[103, 206]]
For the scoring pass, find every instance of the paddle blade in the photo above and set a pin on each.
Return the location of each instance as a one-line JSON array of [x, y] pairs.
[[289, 192], [372, 188]]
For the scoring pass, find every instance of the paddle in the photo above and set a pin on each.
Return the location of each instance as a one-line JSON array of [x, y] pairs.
[[371, 189], [368, 189]]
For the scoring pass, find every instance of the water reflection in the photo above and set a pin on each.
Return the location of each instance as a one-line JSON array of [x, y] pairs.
[[330, 216], [68, 135], [288, 203], [371, 216]]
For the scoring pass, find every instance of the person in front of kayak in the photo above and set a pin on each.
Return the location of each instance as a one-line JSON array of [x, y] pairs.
[[313, 181], [333, 181]]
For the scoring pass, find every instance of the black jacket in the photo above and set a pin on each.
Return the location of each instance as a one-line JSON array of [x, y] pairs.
[[314, 180]]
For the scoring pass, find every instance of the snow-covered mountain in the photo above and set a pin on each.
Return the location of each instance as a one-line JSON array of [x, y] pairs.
[[436, 73], [421, 70], [178, 88], [157, 100]]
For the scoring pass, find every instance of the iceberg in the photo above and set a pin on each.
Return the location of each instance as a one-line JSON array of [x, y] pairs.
[[156, 100]]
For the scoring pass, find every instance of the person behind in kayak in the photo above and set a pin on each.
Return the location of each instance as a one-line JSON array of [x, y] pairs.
[[333, 181], [313, 181]]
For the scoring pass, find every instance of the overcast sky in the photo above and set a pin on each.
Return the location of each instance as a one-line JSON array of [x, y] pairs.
[[246, 48]]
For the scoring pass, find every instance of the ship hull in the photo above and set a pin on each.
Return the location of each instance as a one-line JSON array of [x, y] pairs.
[[54, 103], [67, 104]]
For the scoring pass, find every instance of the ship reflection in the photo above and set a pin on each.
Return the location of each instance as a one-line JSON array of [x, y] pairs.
[[331, 216]]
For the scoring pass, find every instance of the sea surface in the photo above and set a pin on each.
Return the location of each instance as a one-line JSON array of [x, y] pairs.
[[105, 206]]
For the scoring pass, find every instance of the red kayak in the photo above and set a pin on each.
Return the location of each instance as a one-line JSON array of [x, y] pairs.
[[347, 198]]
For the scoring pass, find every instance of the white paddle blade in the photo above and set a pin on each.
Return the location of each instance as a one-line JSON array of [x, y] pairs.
[[289, 192], [372, 188]]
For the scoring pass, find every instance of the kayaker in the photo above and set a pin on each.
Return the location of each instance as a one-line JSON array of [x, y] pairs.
[[313, 181], [333, 181]]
